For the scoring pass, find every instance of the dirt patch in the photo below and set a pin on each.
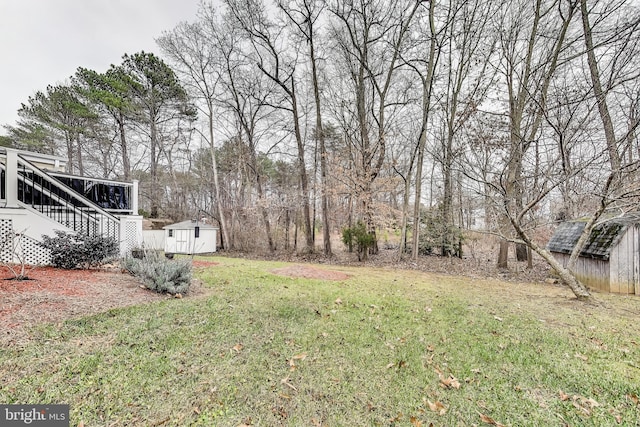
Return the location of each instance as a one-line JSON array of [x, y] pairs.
[[309, 272], [54, 295], [203, 264]]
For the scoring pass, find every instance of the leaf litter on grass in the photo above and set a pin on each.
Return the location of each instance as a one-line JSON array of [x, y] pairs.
[[349, 354]]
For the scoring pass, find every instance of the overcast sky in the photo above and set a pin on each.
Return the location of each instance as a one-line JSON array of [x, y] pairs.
[[43, 42]]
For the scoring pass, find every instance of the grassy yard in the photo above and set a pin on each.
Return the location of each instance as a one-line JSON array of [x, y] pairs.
[[381, 348]]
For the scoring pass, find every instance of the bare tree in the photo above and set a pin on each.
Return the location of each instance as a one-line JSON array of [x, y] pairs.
[[245, 95], [192, 50], [468, 78], [530, 49], [279, 64], [370, 37], [303, 15]]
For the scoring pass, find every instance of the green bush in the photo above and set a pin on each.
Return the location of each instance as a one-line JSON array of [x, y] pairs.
[[360, 237], [437, 237], [71, 250], [160, 274]]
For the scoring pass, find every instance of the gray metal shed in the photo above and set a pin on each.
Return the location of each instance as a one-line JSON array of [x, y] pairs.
[[610, 260], [190, 237]]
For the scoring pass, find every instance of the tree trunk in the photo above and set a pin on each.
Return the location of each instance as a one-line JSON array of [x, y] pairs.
[[126, 162], [302, 170], [79, 155], [153, 192], [264, 211], [566, 275], [427, 83], [405, 212], [503, 254], [216, 185], [522, 252], [601, 97], [326, 230]]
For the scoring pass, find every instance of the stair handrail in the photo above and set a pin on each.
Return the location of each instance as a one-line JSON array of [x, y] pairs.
[[68, 190]]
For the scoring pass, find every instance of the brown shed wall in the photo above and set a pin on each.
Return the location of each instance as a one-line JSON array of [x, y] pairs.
[[624, 264], [620, 274], [590, 271]]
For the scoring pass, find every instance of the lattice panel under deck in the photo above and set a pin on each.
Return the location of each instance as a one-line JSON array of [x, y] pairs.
[[130, 236], [33, 253], [6, 247], [20, 248]]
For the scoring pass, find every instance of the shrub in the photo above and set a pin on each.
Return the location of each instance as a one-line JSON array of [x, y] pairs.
[[70, 250], [360, 237], [160, 274], [437, 237]]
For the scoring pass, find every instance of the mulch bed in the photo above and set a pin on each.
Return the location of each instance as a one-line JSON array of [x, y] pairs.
[[54, 295]]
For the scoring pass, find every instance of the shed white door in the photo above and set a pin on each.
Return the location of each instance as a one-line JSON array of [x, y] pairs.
[[182, 241]]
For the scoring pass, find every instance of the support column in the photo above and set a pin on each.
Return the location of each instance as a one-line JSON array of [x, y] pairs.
[[134, 197], [11, 178]]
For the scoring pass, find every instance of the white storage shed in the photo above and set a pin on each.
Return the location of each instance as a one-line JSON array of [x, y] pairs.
[[190, 237]]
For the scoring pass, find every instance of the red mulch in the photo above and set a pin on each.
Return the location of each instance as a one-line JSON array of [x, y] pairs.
[[54, 295], [198, 264]]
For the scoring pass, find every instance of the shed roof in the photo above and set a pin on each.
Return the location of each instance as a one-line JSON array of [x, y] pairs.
[[189, 225], [603, 237]]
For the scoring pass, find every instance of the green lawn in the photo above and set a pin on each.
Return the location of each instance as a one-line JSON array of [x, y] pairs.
[[381, 348]]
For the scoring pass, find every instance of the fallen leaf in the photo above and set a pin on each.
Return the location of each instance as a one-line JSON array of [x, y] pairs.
[[292, 361], [591, 402], [581, 356], [286, 382], [238, 347], [581, 408], [437, 407], [449, 381], [338, 301], [499, 319], [397, 418], [81, 424], [430, 358], [488, 420], [634, 398], [415, 422], [563, 396], [196, 410]]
